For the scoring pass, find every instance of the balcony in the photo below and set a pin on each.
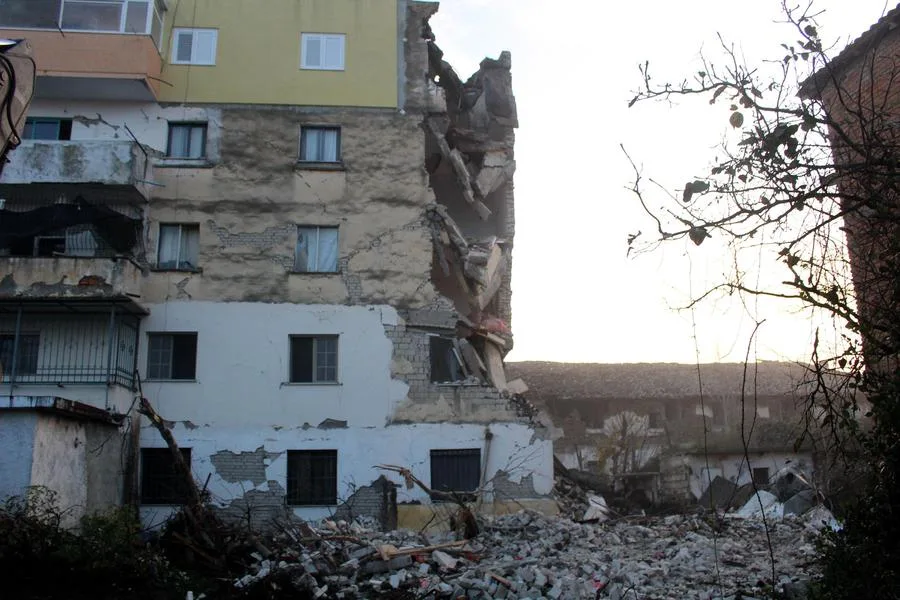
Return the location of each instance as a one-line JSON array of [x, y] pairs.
[[105, 168], [67, 345], [54, 249], [90, 49]]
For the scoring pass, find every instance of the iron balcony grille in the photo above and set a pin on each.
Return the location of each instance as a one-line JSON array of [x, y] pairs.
[[97, 349]]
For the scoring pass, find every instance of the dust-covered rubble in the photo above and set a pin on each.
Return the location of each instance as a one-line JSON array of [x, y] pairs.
[[528, 555]]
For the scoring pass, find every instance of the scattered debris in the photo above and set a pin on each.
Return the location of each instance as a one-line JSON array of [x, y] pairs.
[[528, 555]]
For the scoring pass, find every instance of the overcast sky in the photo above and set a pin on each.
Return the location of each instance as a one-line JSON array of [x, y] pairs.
[[576, 296]]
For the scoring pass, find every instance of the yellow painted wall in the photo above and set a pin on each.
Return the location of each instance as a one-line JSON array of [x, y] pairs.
[[258, 54]]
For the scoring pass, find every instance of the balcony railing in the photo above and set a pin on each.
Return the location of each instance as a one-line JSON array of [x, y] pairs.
[[140, 17], [68, 349]]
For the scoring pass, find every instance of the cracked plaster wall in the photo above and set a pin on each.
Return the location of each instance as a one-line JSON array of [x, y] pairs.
[[250, 202], [525, 461]]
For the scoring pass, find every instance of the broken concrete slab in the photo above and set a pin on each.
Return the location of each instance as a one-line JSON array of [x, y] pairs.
[[494, 361], [719, 494], [517, 386], [800, 502], [762, 502]]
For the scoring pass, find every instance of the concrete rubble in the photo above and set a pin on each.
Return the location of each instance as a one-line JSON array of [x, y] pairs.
[[528, 555]]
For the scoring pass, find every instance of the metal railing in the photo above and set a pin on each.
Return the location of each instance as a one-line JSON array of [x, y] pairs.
[[49, 348]]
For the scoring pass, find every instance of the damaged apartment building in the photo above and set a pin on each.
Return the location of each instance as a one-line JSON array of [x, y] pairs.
[[290, 229]]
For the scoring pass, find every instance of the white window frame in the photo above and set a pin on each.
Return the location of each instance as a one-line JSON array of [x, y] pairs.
[[323, 39], [316, 340], [196, 32]]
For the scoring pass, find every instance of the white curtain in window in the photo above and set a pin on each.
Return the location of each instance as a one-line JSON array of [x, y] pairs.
[[190, 248], [317, 250], [312, 143], [178, 141], [329, 151], [195, 147], [305, 258], [320, 144], [328, 249], [169, 237], [80, 242]]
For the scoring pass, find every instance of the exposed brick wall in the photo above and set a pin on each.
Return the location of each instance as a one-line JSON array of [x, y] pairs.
[[863, 99], [257, 508], [412, 364], [235, 467], [378, 501]]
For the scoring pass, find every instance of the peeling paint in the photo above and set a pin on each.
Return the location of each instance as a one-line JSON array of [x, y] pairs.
[[243, 466]]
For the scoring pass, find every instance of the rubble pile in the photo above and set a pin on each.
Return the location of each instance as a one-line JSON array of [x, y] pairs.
[[528, 555]]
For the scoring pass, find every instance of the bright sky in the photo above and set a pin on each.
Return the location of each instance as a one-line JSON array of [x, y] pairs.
[[576, 297]]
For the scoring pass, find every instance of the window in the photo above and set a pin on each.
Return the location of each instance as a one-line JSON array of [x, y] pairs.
[[194, 46], [186, 140], [312, 477], [160, 481], [172, 356], [43, 14], [317, 250], [445, 361], [40, 128], [313, 359], [27, 357], [179, 246], [456, 470], [655, 420], [762, 411], [761, 476], [322, 51], [320, 144], [120, 16]]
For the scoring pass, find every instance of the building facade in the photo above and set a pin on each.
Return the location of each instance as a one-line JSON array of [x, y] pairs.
[[670, 429], [294, 239]]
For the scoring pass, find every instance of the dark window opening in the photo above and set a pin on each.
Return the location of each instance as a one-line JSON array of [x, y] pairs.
[[312, 477], [313, 359], [26, 358], [656, 420], [39, 128], [161, 483], [456, 471], [761, 475], [172, 356], [445, 360]]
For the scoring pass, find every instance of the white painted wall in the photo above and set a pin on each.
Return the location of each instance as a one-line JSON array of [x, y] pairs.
[[240, 401], [60, 463], [735, 468], [514, 449], [243, 361]]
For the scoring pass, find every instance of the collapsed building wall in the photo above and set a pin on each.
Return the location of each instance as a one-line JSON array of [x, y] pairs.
[[421, 202]]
